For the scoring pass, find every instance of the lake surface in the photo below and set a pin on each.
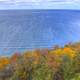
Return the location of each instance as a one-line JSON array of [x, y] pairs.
[[31, 29]]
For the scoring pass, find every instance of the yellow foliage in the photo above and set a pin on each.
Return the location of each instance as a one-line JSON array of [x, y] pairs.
[[57, 52], [63, 51]]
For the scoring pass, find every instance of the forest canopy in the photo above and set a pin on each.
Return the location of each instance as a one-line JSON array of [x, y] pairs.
[[57, 63]]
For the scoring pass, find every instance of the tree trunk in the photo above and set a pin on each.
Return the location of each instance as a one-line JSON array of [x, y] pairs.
[[58, 76]]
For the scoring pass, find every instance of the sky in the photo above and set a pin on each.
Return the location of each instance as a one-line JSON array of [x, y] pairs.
[[39, 4]]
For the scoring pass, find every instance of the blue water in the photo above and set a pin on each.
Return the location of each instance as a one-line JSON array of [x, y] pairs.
[[30, 29]]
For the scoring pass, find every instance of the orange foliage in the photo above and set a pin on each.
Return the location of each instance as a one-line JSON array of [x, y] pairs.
[[32, 54], [68, 51], [3, 62], [15, 57]]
